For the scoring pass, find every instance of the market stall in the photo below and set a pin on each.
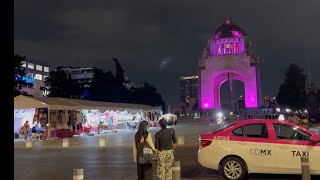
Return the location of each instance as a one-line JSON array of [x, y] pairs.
[[171, 118], [67, 117]]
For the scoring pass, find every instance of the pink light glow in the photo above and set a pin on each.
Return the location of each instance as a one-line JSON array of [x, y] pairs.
[[236, 34], [206, 105]]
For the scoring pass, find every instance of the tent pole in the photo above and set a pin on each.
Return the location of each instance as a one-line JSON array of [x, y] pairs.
[[49, 127]]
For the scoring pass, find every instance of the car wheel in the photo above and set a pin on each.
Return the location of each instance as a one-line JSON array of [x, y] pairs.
[[233, 168]]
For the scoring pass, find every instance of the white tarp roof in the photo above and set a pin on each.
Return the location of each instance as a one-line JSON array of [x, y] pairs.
[[169, 115], [56, 103]]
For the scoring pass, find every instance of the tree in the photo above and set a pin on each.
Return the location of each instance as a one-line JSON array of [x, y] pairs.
[[20, 76], [292, 91], [105, 87], [119, 71], [148, 95], [60, 84]]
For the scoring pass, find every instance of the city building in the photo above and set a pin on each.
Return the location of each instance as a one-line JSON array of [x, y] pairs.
[[241, 103], [312, 89], [269, 102], [228, 56], [82, 76], [189, 91], [36, 72]]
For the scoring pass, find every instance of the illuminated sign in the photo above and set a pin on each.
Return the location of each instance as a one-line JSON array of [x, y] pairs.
[[26, 79], [190, 77]]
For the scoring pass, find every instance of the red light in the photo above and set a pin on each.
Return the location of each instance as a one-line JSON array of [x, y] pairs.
[[205, 143]]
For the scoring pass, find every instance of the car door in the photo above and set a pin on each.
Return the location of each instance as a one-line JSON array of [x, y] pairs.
[[292, 144], [253, 143]]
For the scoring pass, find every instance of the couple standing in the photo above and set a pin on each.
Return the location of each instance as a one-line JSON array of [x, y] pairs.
[[165, 142]]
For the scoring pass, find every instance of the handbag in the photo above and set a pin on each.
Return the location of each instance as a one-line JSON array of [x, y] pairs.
[[145, 153]]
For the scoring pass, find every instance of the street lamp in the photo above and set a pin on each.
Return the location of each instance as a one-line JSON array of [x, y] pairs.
[[278, 109], [219, 114]]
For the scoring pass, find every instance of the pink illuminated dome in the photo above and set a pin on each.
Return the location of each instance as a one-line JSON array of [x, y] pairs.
[[229, 30]]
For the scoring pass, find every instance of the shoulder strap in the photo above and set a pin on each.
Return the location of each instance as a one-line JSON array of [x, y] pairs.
[[172, 130]]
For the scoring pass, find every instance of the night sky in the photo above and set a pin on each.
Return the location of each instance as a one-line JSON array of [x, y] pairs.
[[144, 34]]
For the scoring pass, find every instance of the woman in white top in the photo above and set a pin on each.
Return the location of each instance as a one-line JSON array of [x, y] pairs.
[[144, 170]]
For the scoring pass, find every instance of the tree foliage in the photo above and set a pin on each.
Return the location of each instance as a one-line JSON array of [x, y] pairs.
[[292, 91], [60, 84], [19, 75], [110, 87]]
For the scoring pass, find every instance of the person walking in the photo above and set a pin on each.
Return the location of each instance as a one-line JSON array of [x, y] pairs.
[[25, 130], [144, 170], [305, 122], [165, 141]]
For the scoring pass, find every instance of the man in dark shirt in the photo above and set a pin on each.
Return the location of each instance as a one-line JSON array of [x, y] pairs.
[[165, 142]]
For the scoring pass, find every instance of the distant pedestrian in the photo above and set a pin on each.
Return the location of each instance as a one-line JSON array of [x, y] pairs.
[[175, 122], [25, 130], [305, 122], [165, 141], [142, 135], [295, 119]]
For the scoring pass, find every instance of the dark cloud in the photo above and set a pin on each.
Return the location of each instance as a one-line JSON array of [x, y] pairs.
[[142, 33]]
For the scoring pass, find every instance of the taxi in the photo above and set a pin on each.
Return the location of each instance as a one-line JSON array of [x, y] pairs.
[[259, 146]]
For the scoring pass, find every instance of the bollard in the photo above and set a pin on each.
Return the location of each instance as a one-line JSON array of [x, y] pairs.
[[102, 141], [180, 139], [78, 174], [305, 168], [176, 170], [29, 144], [65, 142]]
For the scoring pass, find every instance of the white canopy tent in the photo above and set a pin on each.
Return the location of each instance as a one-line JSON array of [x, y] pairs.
[[56, 103]]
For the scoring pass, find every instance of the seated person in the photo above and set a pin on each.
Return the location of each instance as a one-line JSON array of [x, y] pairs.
[[33, 132]]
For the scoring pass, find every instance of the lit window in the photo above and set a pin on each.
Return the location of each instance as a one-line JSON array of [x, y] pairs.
[[29, 75], [227, 48], [30, 65], [236, 48], [38, 67], [38, 76], [231, 48], [46, 69], [23, 64]]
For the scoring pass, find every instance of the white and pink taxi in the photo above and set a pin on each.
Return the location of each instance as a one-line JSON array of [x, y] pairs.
[[259, 146]]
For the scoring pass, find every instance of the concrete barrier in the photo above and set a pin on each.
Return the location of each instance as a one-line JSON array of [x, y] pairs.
[[176, 170], [102, 141], [65, 142], [28, 143], [78, 174], [305, 168], [180, 139]]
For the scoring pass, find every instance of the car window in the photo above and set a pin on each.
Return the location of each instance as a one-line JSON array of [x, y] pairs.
[[258, 130], [224, 126], [238, 132], [284, 131]]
